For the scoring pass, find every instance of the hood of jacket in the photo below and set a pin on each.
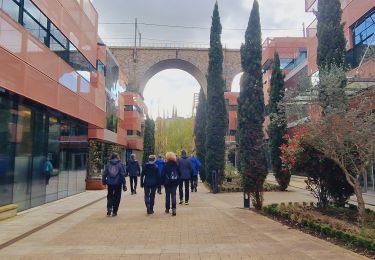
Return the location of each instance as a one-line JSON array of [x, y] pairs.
[[114, 161]]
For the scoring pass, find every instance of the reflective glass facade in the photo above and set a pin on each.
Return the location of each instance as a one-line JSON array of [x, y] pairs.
[[364, 30], [30, 135], [28, 15]]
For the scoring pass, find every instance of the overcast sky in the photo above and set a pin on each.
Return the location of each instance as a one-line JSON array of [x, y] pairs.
[[278, 18]]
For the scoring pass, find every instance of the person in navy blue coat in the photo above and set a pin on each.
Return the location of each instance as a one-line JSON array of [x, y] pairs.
[[150, 180], [160, 163]]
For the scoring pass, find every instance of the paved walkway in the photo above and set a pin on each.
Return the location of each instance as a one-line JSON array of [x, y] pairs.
[[211, 227]]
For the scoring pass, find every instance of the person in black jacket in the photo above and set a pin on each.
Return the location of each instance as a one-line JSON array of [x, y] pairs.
[[133, 170], [114, 178], [170, 178], [150, 180]]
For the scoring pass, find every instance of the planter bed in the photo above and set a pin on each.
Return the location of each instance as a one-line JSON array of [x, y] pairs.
[[337, 225]]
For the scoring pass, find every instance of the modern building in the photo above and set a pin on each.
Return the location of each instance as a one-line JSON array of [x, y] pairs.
[[232, 106], [59, 93], [134, 122], [358, 19]]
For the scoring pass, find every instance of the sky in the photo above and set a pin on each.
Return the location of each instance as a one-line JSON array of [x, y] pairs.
[[156, 19]]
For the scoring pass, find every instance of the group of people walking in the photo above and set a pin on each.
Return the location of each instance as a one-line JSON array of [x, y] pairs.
[[170, 173]]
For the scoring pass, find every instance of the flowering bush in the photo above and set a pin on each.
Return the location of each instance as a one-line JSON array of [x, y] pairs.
[[291, 150]]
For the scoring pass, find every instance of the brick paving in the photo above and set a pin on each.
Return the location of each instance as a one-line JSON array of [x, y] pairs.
[[211, 227]]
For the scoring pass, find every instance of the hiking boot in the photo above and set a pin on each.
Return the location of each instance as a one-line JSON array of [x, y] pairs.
[[173, 212], [109, 212], [114, 215], [186, 202], [167, 211], [195, 189], [181, 201]]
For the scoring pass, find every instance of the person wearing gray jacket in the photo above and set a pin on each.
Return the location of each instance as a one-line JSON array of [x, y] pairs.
[[185, 168]]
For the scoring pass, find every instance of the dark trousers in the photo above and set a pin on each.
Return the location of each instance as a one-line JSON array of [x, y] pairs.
[[113, 198], [133, 183], [180, 190], [194, 183], [150, 196], [170, 194]]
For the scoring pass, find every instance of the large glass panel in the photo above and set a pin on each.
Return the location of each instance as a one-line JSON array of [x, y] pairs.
[[11, 8], [6, 173], [39, 175], [64, 159], [35, 13], [23, 158], [53, 157], [363, 32], [35, 28]]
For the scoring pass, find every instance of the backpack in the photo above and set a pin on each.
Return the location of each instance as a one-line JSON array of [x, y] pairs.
[[113, 177]]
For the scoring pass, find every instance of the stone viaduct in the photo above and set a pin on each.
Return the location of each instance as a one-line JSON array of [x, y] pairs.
[[148, 61]]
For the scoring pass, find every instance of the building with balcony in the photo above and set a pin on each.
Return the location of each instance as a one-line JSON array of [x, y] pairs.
[[59, 90], [358, 19], [135, 111], [232, 106]]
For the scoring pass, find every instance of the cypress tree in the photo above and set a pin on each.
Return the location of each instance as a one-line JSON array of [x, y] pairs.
[[277, 129], [252, 159], [331, 54], [331, 39], [216, 110], [149, 139], [200, 133]]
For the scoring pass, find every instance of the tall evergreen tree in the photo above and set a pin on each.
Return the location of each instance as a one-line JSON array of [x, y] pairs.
[[252, 159], [200, 133], [216, 110], [277, 129], [149, 139], [331, 54]]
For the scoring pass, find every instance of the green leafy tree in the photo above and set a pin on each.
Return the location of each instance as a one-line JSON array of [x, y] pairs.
[[149, 139], [277, 129], [200, 133], [252, 159], [216, 110], [331, 52]]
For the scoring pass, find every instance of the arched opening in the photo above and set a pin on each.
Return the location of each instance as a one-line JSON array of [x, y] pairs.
[[169, 96], [168, 89], [174, 64], [235, 87]]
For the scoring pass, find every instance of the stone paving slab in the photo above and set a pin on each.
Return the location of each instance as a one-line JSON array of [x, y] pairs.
[[211, 227], [29, 219]]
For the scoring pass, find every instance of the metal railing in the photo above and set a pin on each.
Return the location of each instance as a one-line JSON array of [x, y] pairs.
[[164, 45]]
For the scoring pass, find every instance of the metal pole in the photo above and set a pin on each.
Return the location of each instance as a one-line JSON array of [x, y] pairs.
[[304, 30], [140, 39], [135, 40]]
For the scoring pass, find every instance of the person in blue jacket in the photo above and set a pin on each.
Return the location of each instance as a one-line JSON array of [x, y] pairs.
[[160, 163], [196, 165], [114, 178], [150, 180], [133, 170], [170, 179]]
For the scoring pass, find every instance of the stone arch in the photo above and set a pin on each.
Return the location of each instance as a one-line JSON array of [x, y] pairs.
[[237, 78], [174, 64]]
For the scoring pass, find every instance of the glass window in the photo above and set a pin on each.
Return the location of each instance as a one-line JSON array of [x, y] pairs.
[[128, 108], [34, 12], [6, 173], [11, 8], [32, 26], [364, 31], [57, 36], [100, 67]]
